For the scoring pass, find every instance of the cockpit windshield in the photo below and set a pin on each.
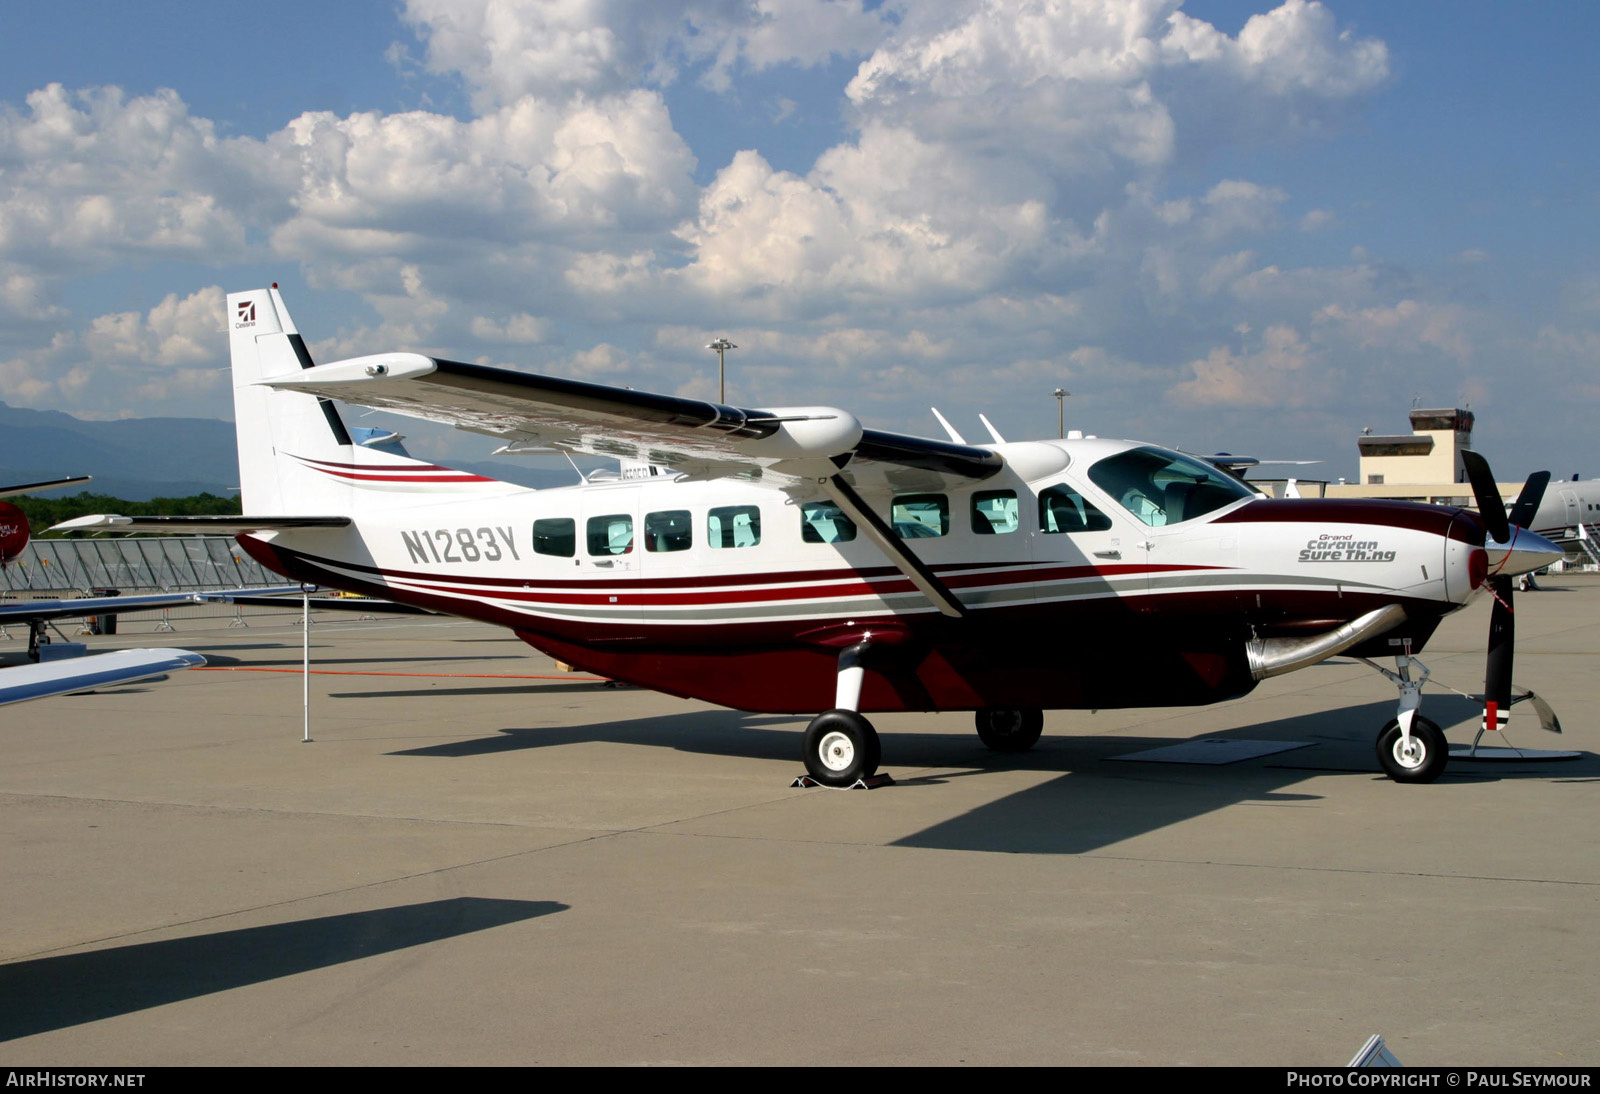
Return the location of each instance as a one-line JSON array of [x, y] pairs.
[[1161, 487]]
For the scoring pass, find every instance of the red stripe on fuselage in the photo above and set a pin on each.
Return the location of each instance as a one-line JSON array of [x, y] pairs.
[[381, 473], [635, 592], [1441, 520], [1000, 574]]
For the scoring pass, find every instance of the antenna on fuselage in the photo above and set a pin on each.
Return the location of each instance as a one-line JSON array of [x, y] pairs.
[[948, 428]]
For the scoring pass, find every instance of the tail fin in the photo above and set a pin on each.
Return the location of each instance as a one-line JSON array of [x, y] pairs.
[[295, 455], [279, 429]]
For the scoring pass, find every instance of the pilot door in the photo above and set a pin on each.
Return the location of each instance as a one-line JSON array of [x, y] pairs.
[[1083, 553]]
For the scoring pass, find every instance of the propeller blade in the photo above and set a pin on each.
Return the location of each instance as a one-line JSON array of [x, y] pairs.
[[1502, 645], [1528, 501], [1547, 716], [1490, 506]]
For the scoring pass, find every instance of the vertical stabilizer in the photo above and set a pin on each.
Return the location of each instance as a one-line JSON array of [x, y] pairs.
[[295, 454], [279, 431]]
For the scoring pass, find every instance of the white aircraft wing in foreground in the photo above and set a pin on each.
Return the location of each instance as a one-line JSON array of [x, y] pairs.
[[21, 682]]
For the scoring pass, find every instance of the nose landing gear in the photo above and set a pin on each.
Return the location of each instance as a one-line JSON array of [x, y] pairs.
[[841, 747]]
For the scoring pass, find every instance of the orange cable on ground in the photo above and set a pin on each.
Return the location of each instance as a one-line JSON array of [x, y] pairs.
[[449, 675]]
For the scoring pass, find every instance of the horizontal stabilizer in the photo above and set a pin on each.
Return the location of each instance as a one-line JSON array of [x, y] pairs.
[[99, 670], [110, 522]]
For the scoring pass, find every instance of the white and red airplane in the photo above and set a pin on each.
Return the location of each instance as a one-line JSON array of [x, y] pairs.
[[62, 668], [792, 560]]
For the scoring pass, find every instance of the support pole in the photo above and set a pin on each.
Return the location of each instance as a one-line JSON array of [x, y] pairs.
[[305, 659]]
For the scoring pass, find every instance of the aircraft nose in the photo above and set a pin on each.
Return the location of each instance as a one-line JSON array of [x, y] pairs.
[[1527, 551]]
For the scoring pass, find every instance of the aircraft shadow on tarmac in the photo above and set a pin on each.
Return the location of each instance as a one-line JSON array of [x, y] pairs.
[[51, 993], [1098, 800], [531, 687]]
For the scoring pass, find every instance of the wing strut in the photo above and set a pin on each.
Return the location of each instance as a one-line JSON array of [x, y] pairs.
[[909, 564]]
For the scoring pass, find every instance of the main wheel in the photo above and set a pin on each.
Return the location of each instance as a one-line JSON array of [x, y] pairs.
[[1009, 729], [1423, 762], [841, 747]]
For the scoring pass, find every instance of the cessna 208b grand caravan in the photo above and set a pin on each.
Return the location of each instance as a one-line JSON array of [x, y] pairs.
[[788, 560]]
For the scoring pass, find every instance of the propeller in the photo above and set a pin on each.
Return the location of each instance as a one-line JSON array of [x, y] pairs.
[[1503, 532]]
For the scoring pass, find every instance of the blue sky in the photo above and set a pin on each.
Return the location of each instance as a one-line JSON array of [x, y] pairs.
[[1221, 224]]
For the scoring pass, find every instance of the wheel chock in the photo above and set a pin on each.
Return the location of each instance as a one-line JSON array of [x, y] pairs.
[[871, 782]]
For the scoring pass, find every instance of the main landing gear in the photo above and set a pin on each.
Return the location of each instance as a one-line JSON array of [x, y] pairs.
[[1010, 729]]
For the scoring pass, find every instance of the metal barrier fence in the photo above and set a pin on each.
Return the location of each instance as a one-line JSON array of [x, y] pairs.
[[133, 564]]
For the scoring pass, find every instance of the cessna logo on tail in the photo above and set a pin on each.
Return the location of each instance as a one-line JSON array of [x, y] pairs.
[[247, 314]]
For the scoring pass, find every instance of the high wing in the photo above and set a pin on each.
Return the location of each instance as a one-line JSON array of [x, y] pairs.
[[780, 445], [22, 682]]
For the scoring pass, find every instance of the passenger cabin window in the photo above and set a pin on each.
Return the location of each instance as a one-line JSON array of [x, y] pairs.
[[734, 526], [556, 536], [610, 535], [668, 531], [995, 512], [825, 522], [1063, 509], [920, 516], [1161, 487]]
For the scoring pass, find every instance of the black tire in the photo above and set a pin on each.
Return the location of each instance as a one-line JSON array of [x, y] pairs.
[[1009, 729], [841, 747], [1426, 762]]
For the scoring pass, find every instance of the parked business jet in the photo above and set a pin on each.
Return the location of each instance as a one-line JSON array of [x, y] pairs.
[[1566, 507], [795, 561]]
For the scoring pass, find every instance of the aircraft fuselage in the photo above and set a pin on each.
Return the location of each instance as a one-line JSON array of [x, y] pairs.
[[744, 596]]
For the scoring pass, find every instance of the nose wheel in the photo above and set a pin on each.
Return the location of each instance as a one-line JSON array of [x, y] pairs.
[[1417, 757], [841, 748]]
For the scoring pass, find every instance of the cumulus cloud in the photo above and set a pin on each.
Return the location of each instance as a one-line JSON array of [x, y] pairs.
[[90, 178], [520, 328], [169, 359], [1410, 323], [400, 183], [174, 332], [507, 49], [1018, 196], [1278, 372], [998, 140]]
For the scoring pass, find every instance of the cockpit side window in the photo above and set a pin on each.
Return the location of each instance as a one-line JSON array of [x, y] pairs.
[[1160, 487], [1063, 509]]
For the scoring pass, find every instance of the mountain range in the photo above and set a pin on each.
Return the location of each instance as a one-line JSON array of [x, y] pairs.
[[142, 458]]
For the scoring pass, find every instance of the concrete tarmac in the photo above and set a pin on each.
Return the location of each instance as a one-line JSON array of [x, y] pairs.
[[481, 860]]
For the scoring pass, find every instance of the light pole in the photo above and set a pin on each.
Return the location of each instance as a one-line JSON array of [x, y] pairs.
[[721, 345], [1061, 411]]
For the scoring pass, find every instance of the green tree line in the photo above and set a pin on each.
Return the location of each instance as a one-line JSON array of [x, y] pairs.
[[44, 512]]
